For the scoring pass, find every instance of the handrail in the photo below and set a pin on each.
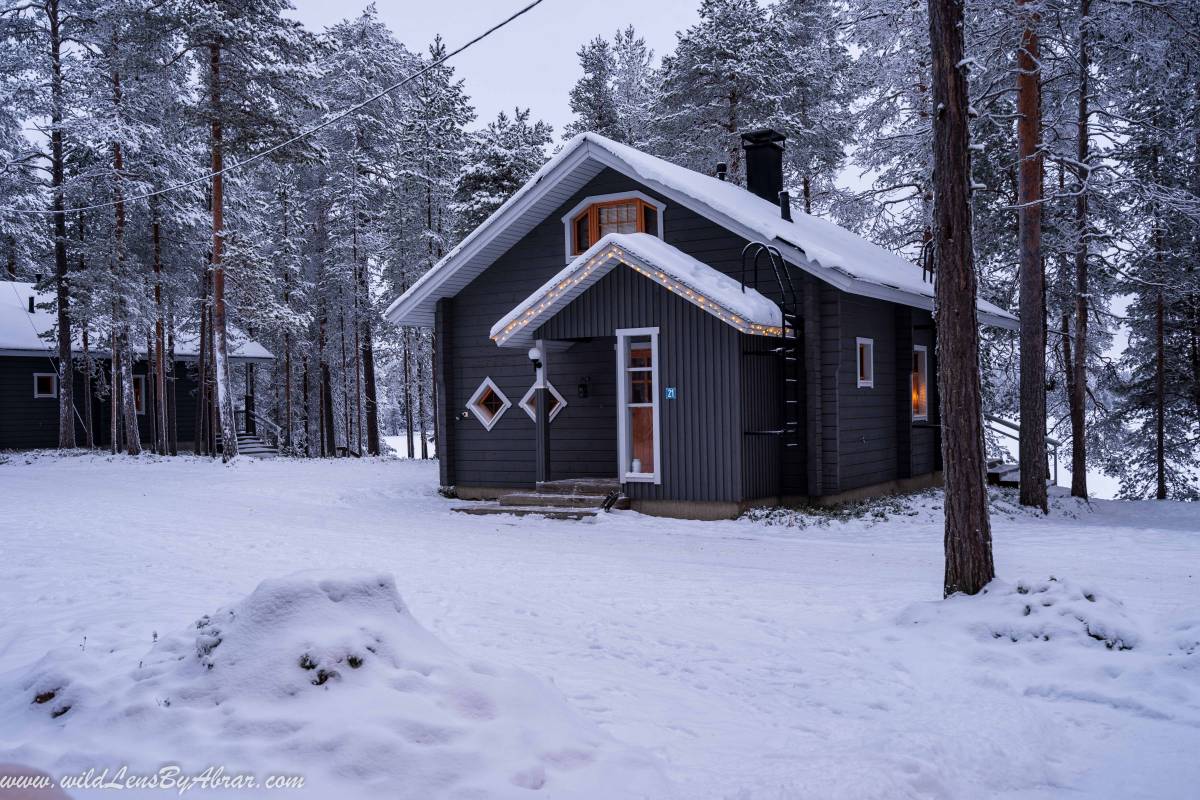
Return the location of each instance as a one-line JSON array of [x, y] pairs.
[[1050, 440], [276, 430]]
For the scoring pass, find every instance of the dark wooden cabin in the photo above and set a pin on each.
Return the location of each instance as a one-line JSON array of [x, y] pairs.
[[29, 377], [699, 347]]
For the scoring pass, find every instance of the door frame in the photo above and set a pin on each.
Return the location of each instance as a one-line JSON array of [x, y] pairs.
[[623, 455]]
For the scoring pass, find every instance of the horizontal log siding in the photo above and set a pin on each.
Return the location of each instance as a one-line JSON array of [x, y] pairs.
[[867, 433], [27, 422]]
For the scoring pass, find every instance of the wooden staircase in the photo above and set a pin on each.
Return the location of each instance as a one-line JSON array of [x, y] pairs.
[[574, 498], [251, 445]]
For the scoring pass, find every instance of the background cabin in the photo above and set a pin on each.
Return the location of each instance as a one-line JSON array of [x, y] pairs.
[[29, 377]]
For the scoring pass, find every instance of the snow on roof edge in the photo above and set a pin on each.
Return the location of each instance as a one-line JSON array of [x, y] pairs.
[[827, 246], [748, 309]]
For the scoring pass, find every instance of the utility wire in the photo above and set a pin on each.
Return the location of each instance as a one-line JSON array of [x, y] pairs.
[[302, 135]]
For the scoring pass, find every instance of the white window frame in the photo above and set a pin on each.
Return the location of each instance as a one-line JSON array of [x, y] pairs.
[[924, 372], [53, 393], [488, 383], [869, 381], [528, 406], [569, 218], [623, 337], [142, 380]]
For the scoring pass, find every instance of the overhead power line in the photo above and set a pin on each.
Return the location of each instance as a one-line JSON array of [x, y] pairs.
[[302, 135]]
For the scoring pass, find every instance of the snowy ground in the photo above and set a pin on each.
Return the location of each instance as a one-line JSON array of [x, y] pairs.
[[750, 659]]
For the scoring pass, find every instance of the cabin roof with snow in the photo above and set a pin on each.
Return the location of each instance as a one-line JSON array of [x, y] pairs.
[[826, 250], [23, 333]]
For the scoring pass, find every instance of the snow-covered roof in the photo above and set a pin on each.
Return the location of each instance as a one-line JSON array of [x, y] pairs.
[[695, 281], [832, 253], [21, 333]]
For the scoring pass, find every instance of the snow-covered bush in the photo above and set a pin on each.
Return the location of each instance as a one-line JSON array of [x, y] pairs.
[[329, 677], [1033, 611]]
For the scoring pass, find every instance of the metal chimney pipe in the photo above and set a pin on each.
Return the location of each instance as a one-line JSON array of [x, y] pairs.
[[722, 170], [785, 206]]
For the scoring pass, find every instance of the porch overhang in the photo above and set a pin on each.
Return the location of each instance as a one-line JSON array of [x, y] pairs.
[[709, 289]]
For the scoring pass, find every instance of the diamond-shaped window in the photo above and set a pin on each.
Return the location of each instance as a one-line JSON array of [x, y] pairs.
[[529, 402], [488, 403]]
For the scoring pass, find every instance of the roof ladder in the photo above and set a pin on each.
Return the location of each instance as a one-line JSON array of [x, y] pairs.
[[791, 384]]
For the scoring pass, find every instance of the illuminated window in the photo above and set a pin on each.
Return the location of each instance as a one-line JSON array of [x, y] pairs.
[[45, 384], [920, 383], [866, 363], [139, 393], [596, 217], [529, 402], [488, 403], [638, 422]]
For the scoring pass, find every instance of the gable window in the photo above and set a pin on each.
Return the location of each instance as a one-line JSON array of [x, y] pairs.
[[139, 393], [529, 401], [920, 383], [866, 362], [45, 384], [596, 217], [488, 403]]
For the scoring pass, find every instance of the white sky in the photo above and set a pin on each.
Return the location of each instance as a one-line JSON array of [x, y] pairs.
[[532, 61]]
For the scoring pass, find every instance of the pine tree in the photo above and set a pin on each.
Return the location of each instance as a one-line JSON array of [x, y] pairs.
[[968, 537], [497, 161], [592, 98], [722, 80]]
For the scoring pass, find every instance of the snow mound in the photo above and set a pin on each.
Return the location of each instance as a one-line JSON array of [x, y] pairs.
[[1034, 611], [329, 677]]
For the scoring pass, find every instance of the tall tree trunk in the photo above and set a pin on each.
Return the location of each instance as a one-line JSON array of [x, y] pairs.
[[347, 411], [10, 265], [66, 367], [133, 437], [172, 408], [287, 337], [305, 390], [421, 403], [1077, 366], [1032, 445], [968, 537], [160, 343], [367, 354], [807, 195], [1160, 397], [229, 448], [202, 371], [89, 426], [408, 413], [328, 440], [114, 392]]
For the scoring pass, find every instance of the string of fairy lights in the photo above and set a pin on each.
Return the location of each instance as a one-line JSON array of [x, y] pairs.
[[616, 253]]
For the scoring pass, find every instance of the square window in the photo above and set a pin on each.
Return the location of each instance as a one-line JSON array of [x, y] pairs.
[[488, 403], [866, 362], [45, 384]]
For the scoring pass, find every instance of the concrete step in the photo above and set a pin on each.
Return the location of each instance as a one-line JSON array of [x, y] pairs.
[[550, 500], [580, 486], [554, 512]]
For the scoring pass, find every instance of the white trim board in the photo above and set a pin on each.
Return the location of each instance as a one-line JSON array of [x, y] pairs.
[[623, 455]]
